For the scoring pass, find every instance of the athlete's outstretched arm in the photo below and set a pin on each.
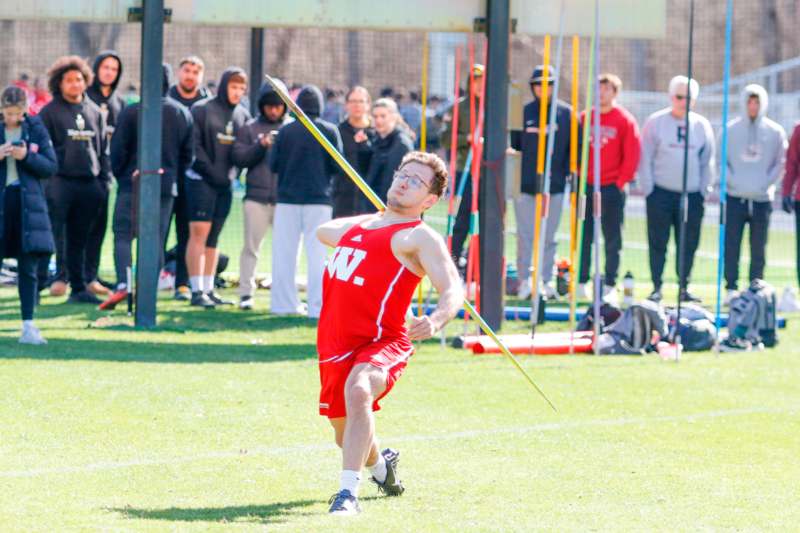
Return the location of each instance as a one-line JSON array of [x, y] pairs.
[[331, 232], [436, 261]]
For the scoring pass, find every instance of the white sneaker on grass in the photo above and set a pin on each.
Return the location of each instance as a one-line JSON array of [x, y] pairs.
[[582, 292], [31, 335], [610, 295]]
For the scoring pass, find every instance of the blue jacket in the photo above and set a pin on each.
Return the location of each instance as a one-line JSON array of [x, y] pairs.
[[304, 168], [527, 141], [39, 163]]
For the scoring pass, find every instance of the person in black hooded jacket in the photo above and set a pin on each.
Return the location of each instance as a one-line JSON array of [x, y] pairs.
[[26, 157], [305, 171], [76, 192], [107, 71], [176, 158], [388, 150], [251, 151], [209, 181]]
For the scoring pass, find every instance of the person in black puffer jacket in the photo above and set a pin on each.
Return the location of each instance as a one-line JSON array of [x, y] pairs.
[[251, 151], [26, 156], [75, 194], [305, 171], [209, 181], [176, 158], [393, 142], [357, 138]]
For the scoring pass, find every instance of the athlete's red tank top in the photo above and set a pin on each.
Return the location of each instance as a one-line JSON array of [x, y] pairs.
[[366, 291]]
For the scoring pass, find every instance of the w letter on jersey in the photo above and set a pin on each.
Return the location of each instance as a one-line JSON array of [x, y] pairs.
[[344, 262]]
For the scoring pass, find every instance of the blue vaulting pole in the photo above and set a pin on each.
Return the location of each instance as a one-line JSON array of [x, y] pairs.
[[723, 176]]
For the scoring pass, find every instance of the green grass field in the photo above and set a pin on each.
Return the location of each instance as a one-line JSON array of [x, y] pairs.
[[209, 423]]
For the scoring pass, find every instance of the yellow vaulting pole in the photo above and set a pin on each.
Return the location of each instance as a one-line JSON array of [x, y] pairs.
[[376, 201], [573, 195], [540, 174], [423, 135]]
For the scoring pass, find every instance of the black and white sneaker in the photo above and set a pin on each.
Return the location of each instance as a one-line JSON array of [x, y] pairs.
[[391, 486], [200, 299], [655, 296], [343, 503], [688, 297], [246, 303], [217, 299]]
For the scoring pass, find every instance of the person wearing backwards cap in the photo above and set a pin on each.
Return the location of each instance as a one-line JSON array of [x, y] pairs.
[[527, 142], [661, 179]]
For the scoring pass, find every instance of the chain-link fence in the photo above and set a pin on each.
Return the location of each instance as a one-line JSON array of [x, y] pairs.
[[390, 63]]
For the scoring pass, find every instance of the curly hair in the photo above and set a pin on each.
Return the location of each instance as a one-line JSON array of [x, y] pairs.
[[63, 65], [435, 163]]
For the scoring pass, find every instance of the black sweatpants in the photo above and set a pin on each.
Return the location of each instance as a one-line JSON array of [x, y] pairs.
[[12, 245], [461, 223], [181, 213], [612, 217], [74, 204], [123, 225], [94, 241], [740, 212], [663, 215]]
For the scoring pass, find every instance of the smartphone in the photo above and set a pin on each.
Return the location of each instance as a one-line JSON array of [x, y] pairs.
[[18, 143]]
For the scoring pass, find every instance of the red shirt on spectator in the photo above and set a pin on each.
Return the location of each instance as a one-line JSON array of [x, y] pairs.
[[792, 174], [619, 145]]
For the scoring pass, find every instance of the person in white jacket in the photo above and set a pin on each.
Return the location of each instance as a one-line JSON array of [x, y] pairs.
[[756, 154]]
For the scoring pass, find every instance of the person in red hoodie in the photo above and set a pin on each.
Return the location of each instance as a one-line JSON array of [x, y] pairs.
[[619, 157]]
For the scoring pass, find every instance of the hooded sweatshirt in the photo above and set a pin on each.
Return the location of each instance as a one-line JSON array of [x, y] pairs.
[[216, 122], [248, 152], [663, 143], [304, 168], [756, 151], [79, 137], [527, 141], [202, 94], [176, 141], [111, 105]]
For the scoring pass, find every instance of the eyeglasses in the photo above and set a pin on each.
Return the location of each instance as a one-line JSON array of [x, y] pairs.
[[680, 97], [413, 181]]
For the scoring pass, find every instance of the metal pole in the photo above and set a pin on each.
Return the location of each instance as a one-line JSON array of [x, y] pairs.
[[148, 243], [256, 67], [492, 187]]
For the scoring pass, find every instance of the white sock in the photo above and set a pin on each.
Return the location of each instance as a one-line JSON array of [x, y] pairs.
[[350, 481], [208, 283], [197, 283], [378, 470], [122, 286]]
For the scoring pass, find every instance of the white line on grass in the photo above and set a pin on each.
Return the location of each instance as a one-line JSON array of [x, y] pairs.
[[467, 434]]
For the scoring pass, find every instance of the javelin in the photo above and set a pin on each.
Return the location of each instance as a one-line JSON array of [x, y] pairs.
[[378, 203]]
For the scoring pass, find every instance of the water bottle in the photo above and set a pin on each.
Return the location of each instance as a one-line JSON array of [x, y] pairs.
[[627, 289]]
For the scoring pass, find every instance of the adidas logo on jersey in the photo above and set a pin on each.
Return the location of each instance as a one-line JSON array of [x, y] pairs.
[[344, 262]]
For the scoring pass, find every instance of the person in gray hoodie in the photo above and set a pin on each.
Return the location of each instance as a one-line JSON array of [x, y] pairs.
[[661, 179], [756, 153]]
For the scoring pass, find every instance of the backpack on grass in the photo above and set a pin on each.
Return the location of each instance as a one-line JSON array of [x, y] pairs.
[[752, 319]]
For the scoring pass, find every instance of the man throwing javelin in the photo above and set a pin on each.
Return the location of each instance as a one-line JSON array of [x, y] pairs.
[[362, 339]]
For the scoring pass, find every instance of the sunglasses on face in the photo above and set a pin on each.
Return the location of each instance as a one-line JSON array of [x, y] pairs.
[[414, 182]]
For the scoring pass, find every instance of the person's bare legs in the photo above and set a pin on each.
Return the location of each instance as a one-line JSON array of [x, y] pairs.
[[338, 428], [363, 385], [196, 249], [211, 256]]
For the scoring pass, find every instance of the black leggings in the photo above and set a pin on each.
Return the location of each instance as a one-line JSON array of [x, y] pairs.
[[26, 263]]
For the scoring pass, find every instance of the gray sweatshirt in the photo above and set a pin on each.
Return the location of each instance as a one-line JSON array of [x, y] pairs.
[[662, 153], [756, 151]]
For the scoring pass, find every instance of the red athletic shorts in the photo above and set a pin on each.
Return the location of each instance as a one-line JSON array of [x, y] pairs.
[[392, 356]]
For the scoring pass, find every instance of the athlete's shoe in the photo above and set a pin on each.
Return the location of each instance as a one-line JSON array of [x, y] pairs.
[[549, 291], [200, 299], [113, 300], [217, 299], [31, 335], [84, 297], [246, 303], [183, 294], [583, 292], [688, 297], [344, 504], [610, 295], [655, 296], [391, 486]]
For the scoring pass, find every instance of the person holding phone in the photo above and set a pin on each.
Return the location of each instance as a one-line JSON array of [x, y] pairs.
[[26, 157]]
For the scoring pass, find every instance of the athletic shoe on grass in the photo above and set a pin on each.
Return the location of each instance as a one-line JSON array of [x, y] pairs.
[[113, 300], [84, 297], [246, 303], [217, 299], [655, 296], [391, 486], [182, 294], [200, 299], [31, 335], [343, 503], [688, 297]]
